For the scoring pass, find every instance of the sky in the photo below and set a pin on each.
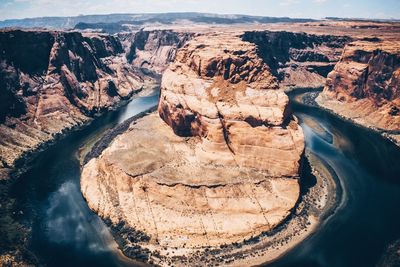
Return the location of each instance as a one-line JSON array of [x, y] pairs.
[[277, 8]]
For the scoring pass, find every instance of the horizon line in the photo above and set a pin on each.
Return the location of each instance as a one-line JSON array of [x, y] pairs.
[[208, 13]]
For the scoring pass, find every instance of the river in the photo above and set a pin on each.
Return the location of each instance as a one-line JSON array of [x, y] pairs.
[[66, 233]]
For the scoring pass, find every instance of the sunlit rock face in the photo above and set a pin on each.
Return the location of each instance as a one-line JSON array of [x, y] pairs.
[[221, 165], [54, 81], [223, 92], [365, 86]]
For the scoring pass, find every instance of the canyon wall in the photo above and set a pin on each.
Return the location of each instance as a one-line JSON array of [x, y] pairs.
[[54, 81], [51, 82], [365, 86], [219, 169], [298, 59], [152, 51]]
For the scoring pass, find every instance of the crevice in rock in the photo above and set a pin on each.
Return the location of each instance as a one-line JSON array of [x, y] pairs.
[[225, 131]]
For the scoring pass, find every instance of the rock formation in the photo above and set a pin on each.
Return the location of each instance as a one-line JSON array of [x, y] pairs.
[[365, 86], [221, 91], [154, 50], [53, 81], [220, 170], [298, 59]]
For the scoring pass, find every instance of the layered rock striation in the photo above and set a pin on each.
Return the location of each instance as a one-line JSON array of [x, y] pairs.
[[222, 91], [54, 81], [220, 168], [152, 51], [298, 59], [365, 86]]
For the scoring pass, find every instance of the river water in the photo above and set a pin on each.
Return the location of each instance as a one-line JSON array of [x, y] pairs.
[[66, 233], [368, 216]]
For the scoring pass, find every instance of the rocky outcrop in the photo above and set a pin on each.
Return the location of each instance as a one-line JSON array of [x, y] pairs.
[[298, 59], [152, 51], [221, 89], [217, 173], [54, 81], [365, 86]]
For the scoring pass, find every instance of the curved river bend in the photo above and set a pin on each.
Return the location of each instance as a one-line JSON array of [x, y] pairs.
[[66, 233]]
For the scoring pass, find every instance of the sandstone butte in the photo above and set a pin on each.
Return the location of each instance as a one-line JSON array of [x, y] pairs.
[[219, 164], [365, 86]]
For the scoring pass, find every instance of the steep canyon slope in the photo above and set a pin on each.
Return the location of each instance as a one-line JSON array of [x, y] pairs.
[[298, 59], [152, 51], [365, 86], [52, 82]]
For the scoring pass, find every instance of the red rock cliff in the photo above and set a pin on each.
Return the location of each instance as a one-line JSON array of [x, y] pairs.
[[53, 81], [365, 86]]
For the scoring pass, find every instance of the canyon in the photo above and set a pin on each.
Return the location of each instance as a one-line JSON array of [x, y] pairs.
[[55, 82], [216, 174]]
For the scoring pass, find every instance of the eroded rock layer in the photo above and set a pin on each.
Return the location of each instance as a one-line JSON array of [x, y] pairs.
[[54, 81], [223, 92], [154, 50], [298, 59], [222, 167], [365, 86]]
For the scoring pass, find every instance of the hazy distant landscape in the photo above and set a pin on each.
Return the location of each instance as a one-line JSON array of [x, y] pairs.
[[140, 19]]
